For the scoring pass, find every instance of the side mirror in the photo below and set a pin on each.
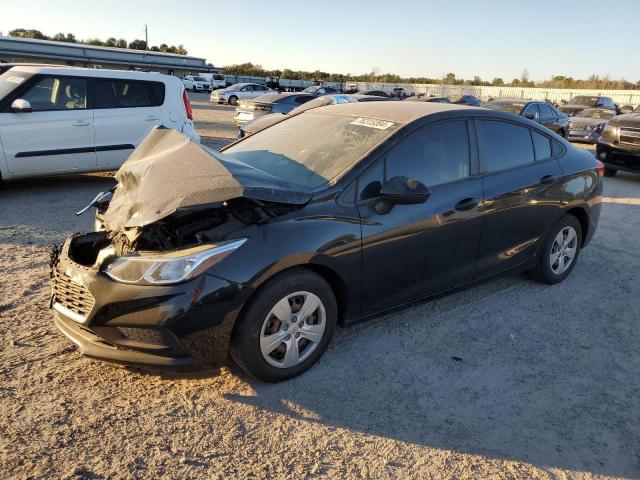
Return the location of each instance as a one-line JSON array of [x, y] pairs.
[[530, 116], [20, 106], [403, 190]]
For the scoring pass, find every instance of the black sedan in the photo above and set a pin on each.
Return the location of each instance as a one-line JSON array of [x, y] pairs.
[[542, 112], [340, 214]]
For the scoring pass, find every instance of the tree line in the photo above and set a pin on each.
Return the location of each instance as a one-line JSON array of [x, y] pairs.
[[557, 81], [109, 42]]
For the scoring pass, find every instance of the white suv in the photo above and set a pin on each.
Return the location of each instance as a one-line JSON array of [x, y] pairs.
[[197, 84], [57, 120]]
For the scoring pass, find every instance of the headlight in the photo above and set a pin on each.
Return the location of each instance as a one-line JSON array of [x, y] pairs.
[[610, 132], [169, 267]]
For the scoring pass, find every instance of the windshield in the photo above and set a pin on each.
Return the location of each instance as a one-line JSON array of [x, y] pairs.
[[10, 80], [311, 149], [597, 113], [584, 101], [200, 79], [514, 108], [236, 86]]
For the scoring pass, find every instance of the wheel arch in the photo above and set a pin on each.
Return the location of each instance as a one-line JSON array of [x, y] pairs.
[[583, 218]]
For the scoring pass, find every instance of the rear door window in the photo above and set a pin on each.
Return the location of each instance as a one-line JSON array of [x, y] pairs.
[[503, 145], [112, 93], [57, 93]]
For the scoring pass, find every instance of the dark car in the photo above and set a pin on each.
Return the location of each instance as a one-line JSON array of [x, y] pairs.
[[619, 144], [270, 103], [467, 100], [327, 218], [587, 125], [580, 102], [320, 90], [425, 98], [541, 112], [375, 93], [262, 122]]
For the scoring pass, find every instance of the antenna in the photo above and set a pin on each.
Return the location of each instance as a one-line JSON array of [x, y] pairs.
[[146, 37]]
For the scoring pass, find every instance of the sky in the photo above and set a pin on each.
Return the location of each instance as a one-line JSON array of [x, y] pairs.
[[490, 38]]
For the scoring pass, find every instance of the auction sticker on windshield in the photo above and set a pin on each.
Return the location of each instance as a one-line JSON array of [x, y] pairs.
[[372, 123]]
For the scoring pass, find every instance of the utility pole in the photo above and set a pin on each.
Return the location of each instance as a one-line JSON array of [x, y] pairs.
[[146, 37]]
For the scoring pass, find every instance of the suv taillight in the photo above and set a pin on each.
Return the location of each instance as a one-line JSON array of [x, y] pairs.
[[187, 105], [600, 167]]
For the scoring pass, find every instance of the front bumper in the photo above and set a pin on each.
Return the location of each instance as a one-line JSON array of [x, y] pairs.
[[619, 157], [184, 325], [588, 136]]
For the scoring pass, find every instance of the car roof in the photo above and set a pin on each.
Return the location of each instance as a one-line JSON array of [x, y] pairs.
[[518, 101], [92, 72], [397, 112]]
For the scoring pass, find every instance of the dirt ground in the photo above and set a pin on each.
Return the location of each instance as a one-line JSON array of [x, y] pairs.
[[510, 379]]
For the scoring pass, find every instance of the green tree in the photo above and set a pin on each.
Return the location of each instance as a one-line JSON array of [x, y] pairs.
[[138, 45]]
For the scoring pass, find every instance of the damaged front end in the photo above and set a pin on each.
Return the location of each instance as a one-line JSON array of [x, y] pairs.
[[141, 290]]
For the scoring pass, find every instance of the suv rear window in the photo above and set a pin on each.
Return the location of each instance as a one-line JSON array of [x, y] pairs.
[[111, 93]]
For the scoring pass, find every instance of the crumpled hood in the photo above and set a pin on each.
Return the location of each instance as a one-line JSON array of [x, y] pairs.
[[627, 120], [168, 172]]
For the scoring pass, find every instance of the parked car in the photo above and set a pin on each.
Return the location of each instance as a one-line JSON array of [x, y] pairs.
[[329, 217], [269, 103], [196, 84], [580, 102], [375, 93], [541, 112], [215, 80], [470, 100], [318, 90], [425, 98], [619, 144], [265, 121], [239, 91], [587, 125], [56, 120]]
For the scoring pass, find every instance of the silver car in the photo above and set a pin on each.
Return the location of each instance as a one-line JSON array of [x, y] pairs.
[[249, 110], [238, 91]]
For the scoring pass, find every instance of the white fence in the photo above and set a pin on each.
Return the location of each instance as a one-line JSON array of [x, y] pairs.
[[621, 97]]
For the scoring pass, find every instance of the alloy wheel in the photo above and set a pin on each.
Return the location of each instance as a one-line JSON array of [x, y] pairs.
[[293, 329], [563, 250]]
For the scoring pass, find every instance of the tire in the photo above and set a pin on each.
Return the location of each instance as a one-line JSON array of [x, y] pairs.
[[258, 322], [550, 271], [233, 100], [610, 172]]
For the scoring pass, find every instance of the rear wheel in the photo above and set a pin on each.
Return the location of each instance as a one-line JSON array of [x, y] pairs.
[[560, 252], [233, 100], [610, 172], [285, 327]]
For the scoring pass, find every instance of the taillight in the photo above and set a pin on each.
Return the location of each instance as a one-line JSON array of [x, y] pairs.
[[600, 167], [187, 105]]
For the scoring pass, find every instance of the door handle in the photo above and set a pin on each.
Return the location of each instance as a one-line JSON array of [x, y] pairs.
[[81, 123], [548, 179], [466, 204]]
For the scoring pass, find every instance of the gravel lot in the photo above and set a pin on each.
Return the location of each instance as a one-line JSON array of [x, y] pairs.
[[510, 379]]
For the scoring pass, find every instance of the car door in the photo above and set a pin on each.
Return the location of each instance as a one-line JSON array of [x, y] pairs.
[[57, 135], [259, 90], [411, 251], [521, 171], [125, 112]]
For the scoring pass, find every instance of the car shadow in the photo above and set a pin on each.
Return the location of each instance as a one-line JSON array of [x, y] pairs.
[[462, 375]]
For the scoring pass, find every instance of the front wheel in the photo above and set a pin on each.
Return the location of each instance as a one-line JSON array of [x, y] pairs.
[[560, 252], [286, 327], [233, 100]]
